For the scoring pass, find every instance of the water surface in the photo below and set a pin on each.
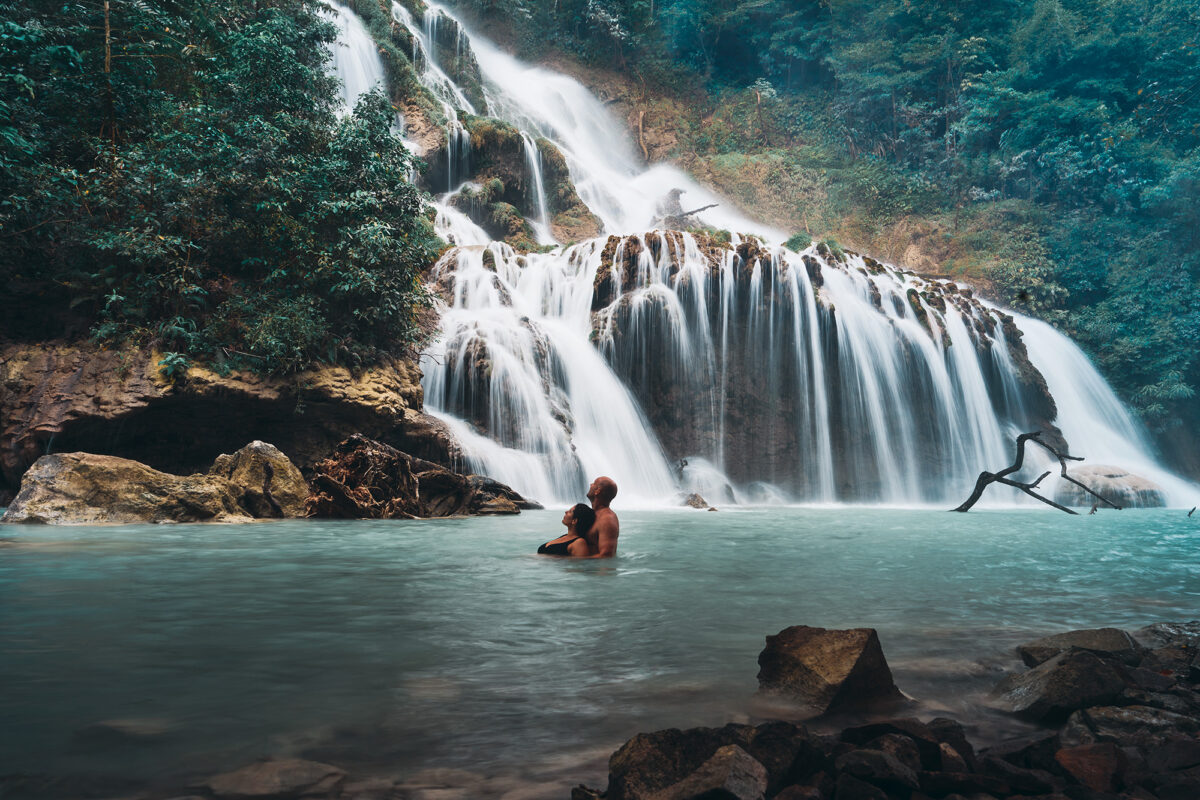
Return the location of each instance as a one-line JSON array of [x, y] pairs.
[[407, 644]]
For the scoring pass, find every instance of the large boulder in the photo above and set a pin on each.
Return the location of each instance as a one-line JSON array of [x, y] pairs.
[[731, 773], [1099, 767], [365, 479], [89, 489], [651, 763], [1115, 484], [1105, 641], [256, 482], [271, 484], [1051, 691], [1133, 726], [278, 779], [827, 671]]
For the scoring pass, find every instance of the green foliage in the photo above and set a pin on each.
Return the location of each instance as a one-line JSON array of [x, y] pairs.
[[174, 366], [798, 242], [189, 182]]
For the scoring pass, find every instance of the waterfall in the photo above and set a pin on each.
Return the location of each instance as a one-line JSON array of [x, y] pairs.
[[537, 190], [355, 56], [723, 363]]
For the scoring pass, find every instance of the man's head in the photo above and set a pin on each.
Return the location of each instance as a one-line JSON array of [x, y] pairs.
[[602, 491]]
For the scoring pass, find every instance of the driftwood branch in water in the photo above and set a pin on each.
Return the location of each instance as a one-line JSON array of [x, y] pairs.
[[986, 479], [698, 210]]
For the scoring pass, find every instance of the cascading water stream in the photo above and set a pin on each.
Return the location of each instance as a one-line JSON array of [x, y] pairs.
[[537, 190], [774, 374], [355, 57]]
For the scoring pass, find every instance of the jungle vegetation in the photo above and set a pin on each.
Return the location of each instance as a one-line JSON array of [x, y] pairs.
[[179, 173]]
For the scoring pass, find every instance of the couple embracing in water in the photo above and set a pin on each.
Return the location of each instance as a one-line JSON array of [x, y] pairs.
[[591, 530]]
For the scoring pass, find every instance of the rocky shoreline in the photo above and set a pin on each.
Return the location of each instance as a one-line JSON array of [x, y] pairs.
[[360, 479], [66, 397], [1118, 716], [1115, 715]]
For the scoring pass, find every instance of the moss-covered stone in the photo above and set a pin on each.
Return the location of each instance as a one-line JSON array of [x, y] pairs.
[[452, 52], [570, 218]]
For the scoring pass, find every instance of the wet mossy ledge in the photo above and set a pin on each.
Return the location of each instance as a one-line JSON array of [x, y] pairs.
[[500, 196]]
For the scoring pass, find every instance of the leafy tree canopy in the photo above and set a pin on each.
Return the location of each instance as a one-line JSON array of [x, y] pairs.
[[179, 172]]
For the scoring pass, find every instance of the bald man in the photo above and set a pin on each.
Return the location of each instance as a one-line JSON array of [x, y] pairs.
[[606, 528]]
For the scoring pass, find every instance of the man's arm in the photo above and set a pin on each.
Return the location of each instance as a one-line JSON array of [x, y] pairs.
[[607, 530]]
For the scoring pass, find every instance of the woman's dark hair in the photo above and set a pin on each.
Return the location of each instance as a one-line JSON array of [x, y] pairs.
[[584, 517]]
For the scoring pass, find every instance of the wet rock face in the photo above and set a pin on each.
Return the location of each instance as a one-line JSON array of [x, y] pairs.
[[365, 479], [826, 671], [667, 762], [751, 394], [57, 397], [1103, 641], [1052, 690], [1114, 483], [570, 218], [452, 52], [270, 484]]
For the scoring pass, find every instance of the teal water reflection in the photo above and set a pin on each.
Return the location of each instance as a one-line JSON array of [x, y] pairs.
[[416, 643]]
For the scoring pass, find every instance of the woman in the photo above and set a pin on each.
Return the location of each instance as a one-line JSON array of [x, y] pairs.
[[578, 519]]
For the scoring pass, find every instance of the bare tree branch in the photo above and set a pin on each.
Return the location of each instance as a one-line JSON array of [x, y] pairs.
[[986, 479]]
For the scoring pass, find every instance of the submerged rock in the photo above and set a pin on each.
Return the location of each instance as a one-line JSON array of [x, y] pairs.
[[827, 670], [278, 778], [1114, 483]]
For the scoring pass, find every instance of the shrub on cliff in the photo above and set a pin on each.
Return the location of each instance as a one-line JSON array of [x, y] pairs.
[[180, 173]]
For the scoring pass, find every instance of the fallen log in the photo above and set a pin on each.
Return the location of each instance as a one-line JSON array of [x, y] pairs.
[[986, 479]]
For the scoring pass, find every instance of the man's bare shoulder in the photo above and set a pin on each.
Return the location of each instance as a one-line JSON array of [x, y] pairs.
[[607, 518]]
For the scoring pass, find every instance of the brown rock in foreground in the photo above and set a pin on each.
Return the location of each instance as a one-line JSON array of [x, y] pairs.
[[88, 489], [365, 479], [1105, 641], [653, 763], [731, 773], [1052, 690], [827, 671]]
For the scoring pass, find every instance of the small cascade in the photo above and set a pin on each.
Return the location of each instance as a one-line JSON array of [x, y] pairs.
[[355, 56], [452, 98], [719, 363], [537, 190], [515, 360]]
